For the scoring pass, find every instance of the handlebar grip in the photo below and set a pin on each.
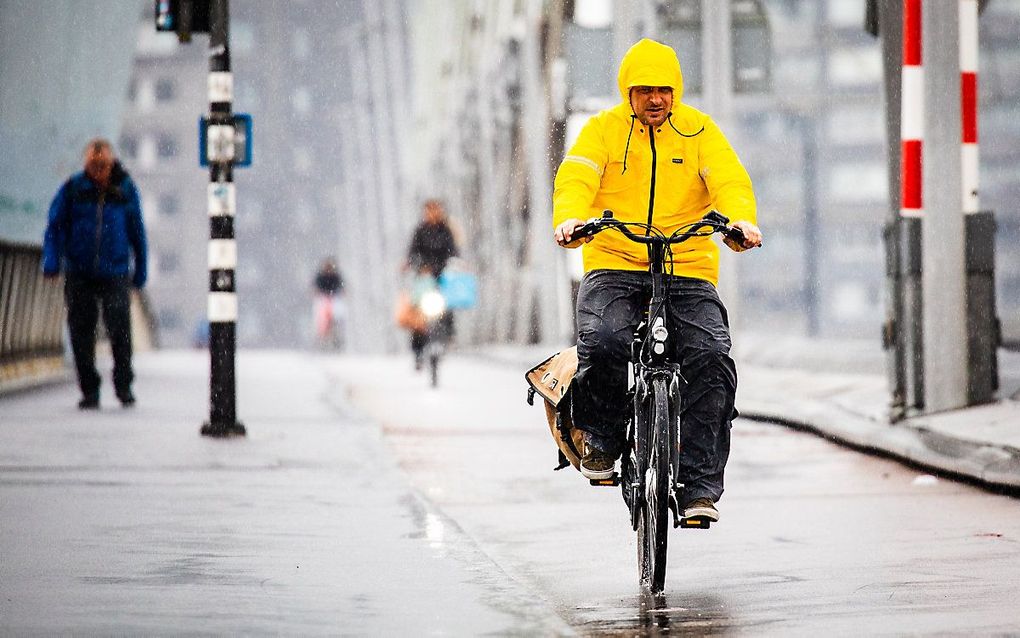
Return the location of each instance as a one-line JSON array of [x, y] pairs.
[[585, 230], [734, 233]]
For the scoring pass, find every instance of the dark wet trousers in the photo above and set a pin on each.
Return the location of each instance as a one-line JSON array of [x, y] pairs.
[[610, 304], [85, 296]]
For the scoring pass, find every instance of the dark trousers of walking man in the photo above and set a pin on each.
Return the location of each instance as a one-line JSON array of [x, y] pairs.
[[86, 297]]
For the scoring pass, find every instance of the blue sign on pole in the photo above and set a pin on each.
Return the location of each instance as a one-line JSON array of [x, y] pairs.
[[242, 140]]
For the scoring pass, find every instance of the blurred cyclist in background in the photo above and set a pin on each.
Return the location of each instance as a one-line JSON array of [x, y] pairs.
[[432, 246], [330, 311]]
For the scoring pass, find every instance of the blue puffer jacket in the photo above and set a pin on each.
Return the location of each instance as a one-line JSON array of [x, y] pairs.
[[95, 233]]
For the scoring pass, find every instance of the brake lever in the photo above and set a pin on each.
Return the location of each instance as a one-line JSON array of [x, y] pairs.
[[590, 227]]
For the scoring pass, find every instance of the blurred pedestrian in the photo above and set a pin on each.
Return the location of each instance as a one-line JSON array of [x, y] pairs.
[[330, 311], [95, 234]]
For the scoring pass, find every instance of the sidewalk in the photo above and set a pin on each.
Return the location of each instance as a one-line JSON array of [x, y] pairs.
[[838, 390], [127, 522]]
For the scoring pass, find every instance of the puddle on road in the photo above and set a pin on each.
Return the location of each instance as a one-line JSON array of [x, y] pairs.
[[428, 526], [647, 615]]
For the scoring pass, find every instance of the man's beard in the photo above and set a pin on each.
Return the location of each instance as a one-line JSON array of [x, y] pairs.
[[647, 120]]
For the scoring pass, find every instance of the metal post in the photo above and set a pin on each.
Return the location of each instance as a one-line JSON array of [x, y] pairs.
[[984, 334], [982, 323], [809, 141], [890, 29], [222, 308], [558, 109], [544, 291], [912, 204], [717, 93], [650, 18], [489, 241], [943, 232], [382, 119], [369, 180], [625, 31]]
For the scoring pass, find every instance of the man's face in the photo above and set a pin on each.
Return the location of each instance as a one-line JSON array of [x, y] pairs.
[[651, 104], [99, 164]]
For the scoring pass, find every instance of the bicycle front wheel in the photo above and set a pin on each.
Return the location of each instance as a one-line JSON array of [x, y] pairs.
[[653, 518]]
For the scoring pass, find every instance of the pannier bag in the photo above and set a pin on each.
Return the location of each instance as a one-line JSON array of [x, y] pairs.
[[459, 288], [407, 315], [551, 380]]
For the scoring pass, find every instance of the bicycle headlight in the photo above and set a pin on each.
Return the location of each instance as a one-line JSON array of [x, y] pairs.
[[433, 304], [659, 332]]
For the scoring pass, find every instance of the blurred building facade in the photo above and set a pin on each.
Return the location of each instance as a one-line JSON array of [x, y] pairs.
[[362, 109], [999, 139], [481, 129], [827, 82], [54, 98], [815, 147], [813, 139], [165, 97], [290, 75]]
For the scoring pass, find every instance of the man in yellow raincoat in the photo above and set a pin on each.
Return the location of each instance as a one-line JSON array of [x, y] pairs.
[[653, 159]]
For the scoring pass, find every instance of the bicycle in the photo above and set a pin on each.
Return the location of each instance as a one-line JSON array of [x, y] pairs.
[[649, 470], [432, 331]]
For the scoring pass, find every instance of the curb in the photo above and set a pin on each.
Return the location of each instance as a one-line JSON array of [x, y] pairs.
[[994, 467], [914, 441]]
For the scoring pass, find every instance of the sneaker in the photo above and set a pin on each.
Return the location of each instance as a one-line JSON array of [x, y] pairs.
[[127, 398], [89, 402], [701, 508], [597, 465]]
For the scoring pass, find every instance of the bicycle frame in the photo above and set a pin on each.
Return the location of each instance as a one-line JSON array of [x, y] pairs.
[[650, 469]]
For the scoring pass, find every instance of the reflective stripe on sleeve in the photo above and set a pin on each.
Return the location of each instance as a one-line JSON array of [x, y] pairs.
[[579, 159]]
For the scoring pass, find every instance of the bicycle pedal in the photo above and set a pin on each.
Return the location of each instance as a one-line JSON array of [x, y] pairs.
[[612, 481], [696, 522]]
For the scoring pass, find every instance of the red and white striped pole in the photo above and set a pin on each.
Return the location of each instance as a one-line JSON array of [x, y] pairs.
[[968, 104], [981, 318], [911, 113], [910, 338]]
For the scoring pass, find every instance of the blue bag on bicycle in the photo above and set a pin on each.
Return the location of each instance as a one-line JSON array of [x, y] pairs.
[[460, 289]]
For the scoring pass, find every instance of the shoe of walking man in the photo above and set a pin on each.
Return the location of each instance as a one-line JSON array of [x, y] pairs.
[[653, 159], [96, 236]]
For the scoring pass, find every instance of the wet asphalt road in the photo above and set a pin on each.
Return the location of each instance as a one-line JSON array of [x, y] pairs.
[[364, 503], [814, 539]]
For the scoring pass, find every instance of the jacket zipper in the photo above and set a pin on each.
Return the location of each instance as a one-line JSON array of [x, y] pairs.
[[99, 230], [651, 191]]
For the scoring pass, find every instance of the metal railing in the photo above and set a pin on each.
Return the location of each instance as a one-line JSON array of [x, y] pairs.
[[31, 317]]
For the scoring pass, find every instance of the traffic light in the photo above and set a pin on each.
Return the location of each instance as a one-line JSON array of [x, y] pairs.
[[182, 17]]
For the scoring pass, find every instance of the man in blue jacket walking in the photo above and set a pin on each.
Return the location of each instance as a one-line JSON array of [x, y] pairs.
[[95, 231]]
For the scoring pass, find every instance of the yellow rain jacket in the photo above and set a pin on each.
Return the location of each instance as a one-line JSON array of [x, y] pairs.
[[671, 176]]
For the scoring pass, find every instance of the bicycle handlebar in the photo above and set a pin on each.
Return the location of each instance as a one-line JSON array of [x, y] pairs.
[[713, 219]]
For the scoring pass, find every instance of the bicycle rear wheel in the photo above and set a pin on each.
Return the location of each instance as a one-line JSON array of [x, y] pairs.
[[434, 369], [653, 517]]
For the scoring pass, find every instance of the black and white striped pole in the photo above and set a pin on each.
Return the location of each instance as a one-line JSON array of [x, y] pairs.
[[222, 201]]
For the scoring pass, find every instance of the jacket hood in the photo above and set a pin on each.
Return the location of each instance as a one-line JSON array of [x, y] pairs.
[[650, 63]]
